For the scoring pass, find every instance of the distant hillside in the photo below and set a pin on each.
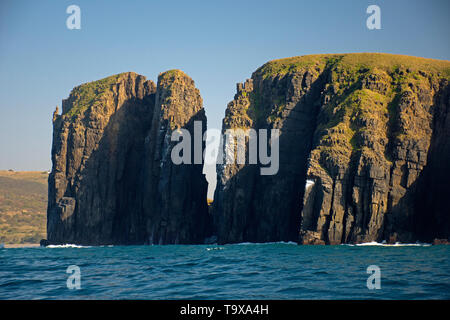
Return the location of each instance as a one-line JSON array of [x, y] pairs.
[[23, 206]]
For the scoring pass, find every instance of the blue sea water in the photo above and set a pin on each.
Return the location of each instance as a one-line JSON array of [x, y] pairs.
[[240, 271]]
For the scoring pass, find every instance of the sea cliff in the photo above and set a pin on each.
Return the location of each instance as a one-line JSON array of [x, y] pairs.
[[364, 155], [112, 180], [364, 152]]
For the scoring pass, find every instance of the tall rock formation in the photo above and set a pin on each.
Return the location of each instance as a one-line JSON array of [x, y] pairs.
[[111, 181], [177, 210], [364, 152], [364, 155]]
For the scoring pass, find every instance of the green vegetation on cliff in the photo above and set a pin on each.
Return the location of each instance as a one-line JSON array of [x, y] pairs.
[[354, 61], [86, 95], [356, 134], [360, 98], [171, 74]]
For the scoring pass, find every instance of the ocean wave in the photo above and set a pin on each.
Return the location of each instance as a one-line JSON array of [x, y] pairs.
[[265, 243], [215, 248], [66, 246], [384, 244]]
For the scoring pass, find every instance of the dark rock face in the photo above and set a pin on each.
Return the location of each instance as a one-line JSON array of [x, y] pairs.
[[177, 210], [364, 155], [111, 181], [264, 208], [364, 152]]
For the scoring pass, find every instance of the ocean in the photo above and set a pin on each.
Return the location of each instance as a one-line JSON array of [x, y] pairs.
[[238, 271]]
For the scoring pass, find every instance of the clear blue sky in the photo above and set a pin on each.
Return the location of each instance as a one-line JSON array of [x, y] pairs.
[[217, 43]]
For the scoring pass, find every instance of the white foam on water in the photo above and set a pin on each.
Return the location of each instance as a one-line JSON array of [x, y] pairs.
[[66, 246], [264, 243], [215, 248], [397, 244]]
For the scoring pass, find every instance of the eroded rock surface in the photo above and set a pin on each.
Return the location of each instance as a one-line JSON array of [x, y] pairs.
[[112, 181], [364, 152]]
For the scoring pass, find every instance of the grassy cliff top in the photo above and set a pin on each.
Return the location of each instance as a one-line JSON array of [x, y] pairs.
[[83, 96], [355, 61], [171, 75]]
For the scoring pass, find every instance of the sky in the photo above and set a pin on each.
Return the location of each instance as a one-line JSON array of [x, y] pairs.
[[217, 43]]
